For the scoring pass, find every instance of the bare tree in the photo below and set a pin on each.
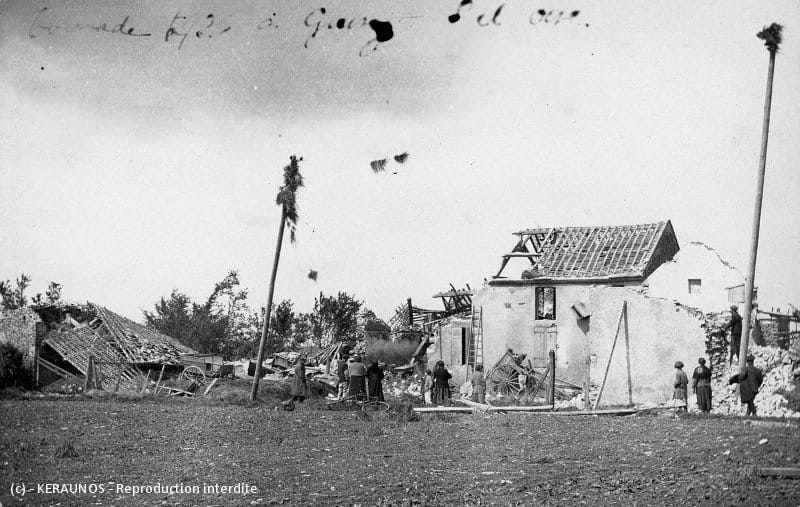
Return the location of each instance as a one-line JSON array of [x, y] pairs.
[[287, 200]]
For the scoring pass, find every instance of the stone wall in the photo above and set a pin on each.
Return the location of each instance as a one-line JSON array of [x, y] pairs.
[[775, 332], [18, 327]]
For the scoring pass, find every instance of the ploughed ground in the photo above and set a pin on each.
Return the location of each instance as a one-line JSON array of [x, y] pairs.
[[316, 456]]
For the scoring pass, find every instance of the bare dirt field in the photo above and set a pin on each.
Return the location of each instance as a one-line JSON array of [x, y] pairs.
[[109, 447]]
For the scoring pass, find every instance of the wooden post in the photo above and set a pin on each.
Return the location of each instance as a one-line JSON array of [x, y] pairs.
[[552, 385], [119, 377], [89, 373], [587, 378], [610, 356], [628, 354], [773, 38], [410, 313], [160, 376], [146, 380]]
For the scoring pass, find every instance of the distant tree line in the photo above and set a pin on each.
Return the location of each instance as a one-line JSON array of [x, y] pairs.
[[13, 295], [225, 324]]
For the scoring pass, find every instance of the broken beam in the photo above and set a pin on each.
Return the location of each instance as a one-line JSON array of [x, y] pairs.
[[522, 254], [546, 410]]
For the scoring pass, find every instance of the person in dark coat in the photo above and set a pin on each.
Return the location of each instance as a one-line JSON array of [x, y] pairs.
[[735, 326], [299, 390], [375, 381], [357, 372], [749, 384], [701, 384], [441, 384], [681, 382]]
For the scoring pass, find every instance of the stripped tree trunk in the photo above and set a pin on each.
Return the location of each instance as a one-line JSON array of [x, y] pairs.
[[772, 37], [265, 327]]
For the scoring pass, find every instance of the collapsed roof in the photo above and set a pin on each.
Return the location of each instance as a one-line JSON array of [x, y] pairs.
[[118, 345], [594, 253]]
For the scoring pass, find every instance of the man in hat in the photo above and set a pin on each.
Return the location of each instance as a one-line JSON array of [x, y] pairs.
[[701, 383], [749, 384], [735, 325]]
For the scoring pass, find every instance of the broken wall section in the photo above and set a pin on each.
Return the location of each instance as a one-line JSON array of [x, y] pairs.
[[19, 328]]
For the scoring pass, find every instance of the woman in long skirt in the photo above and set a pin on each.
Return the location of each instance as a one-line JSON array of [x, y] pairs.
[[357, 372], [299, 390], [680, 394], [441, 384], [375, 381]]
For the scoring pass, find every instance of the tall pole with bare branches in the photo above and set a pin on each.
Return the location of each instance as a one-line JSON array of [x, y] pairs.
[[771, 36], [287, 199]]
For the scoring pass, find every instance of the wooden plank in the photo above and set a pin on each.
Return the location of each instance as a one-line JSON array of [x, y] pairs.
[[621, 411], [470, 403], [543, 410], [208, 389], [425, 410], [55, 369], [779, 472], [628, 354]]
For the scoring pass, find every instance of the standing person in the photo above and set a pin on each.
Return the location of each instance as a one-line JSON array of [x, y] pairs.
[[375, 381], [478, 385], [681, 382], [358, 373], [735, 326], [701, 384], [441, 384], [341, 373], [427, 388], [299, 387], [749, 384]]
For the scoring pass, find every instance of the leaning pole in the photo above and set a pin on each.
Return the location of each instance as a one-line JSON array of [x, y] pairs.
[[772, 39]]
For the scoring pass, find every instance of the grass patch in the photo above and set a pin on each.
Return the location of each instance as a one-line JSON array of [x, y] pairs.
[[66, 449]]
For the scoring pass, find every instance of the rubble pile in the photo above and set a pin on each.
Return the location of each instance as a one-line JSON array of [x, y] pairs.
[[777, 366], [399, 386], [717, 340]]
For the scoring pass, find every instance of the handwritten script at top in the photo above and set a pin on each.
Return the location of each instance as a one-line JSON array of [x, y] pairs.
[[198, 27]]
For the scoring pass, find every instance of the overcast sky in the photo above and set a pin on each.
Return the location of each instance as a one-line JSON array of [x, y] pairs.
[[132, 164]]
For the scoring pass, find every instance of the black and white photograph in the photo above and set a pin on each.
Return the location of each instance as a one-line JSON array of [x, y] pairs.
[[399, 252]]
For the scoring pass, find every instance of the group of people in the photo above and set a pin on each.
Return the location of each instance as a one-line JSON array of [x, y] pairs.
[[436, 389], [749, 383], [749, 379], [355, 378]]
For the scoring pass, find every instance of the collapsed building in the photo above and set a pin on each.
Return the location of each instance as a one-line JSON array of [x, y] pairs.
[[617, 305], [58, 340]]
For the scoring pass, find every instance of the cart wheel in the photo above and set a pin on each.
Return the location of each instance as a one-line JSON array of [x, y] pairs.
[[375, 406], [505, 381], [194, 374]]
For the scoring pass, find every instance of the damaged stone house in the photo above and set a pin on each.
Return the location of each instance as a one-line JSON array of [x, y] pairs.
[[58, 339], [570, 300]]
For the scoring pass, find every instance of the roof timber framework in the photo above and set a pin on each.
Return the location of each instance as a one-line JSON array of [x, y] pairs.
[[455, 301], [594, 252]]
